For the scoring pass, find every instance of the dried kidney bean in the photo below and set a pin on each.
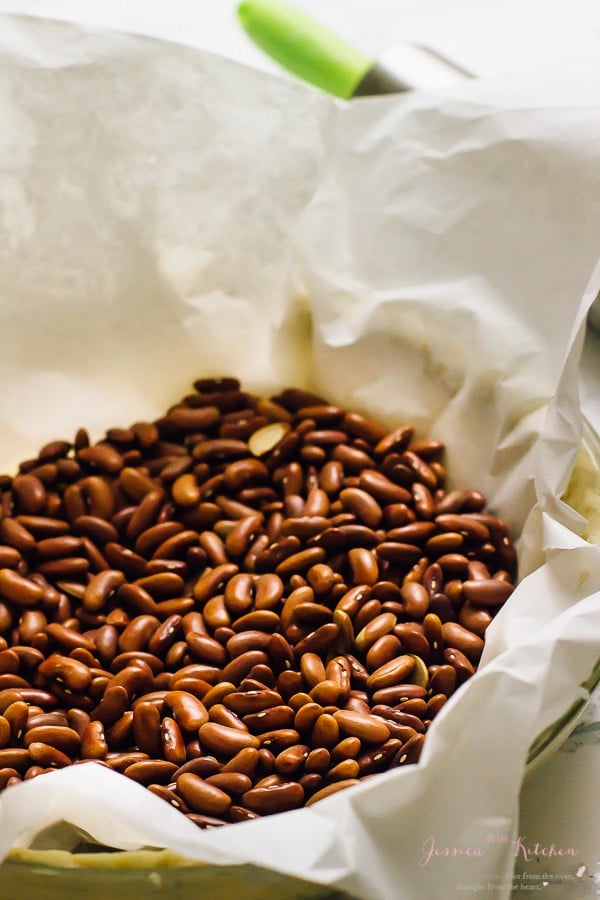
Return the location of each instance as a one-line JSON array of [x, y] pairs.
[[247, 605]]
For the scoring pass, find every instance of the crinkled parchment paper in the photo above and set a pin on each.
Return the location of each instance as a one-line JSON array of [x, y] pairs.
[[166, 214]]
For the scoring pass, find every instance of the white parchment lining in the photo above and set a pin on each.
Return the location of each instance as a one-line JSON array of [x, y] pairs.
[[166, 214]]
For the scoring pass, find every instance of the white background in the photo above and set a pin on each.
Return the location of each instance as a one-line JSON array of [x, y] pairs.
[[488, 38]]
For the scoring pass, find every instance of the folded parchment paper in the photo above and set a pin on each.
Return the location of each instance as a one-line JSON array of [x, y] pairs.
[[165, 214]]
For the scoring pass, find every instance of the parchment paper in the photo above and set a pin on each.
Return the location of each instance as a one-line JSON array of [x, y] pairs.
[[166, 214]]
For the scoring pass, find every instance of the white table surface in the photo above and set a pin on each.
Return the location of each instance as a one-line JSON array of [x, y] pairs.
[[560, 802]]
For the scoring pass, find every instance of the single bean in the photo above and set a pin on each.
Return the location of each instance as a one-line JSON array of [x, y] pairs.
[[279, 739], [206, 649], [17, 714], [146, 729], [463, 666], [16, 535], [93, 741], [244, 703], [410, 752], [242, 534], [15, 758], [173, 745], [188, 711], [328, 692], [62, 738], [367, 728], [375, 629], [383, 650], [45, 755], [150, 771], [232, 783], [325, 732], [347, 768], [363, 565], [319, 641], [17, 589], [347, 748], [62, 669], [457, 636], [377, 758], [312, 668], [245, 762], [225, 741], [223, 716], [275, 798], [210, 583], [489, 594], [330, 789]]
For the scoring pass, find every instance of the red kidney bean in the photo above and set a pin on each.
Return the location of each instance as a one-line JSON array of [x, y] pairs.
[[396, 717], [278, 740], [223, 716], [232, 783], [363, 565], [137, 633], [242, 534], [182, 589], [377, 627], [363, 505], [225, 741], [275, 798], [200, 671], [330, 789], [319, 641], [9, 557], [382, 488], [188, 710], [347, 748], [347, 768], [415, 598], [463, 666], [325, 731], [245, 762], [5, 732], [383, 650], [153, 537], [209, 584], [16, 535], [164, 635], [467, 642], [58, 736], [271, 719], [93, 741], [248, 702], [390, 673], [367, 728], [489, 594], [369, 611], [173, 745], [135, 678], [150, 771], [410, 751], [147, 729], [443, 680], [18, 589], [475, 619], [206, 649], [48, 756], [74, 675]]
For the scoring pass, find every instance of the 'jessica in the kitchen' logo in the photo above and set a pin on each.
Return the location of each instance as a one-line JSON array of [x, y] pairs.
[[522, 850]]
